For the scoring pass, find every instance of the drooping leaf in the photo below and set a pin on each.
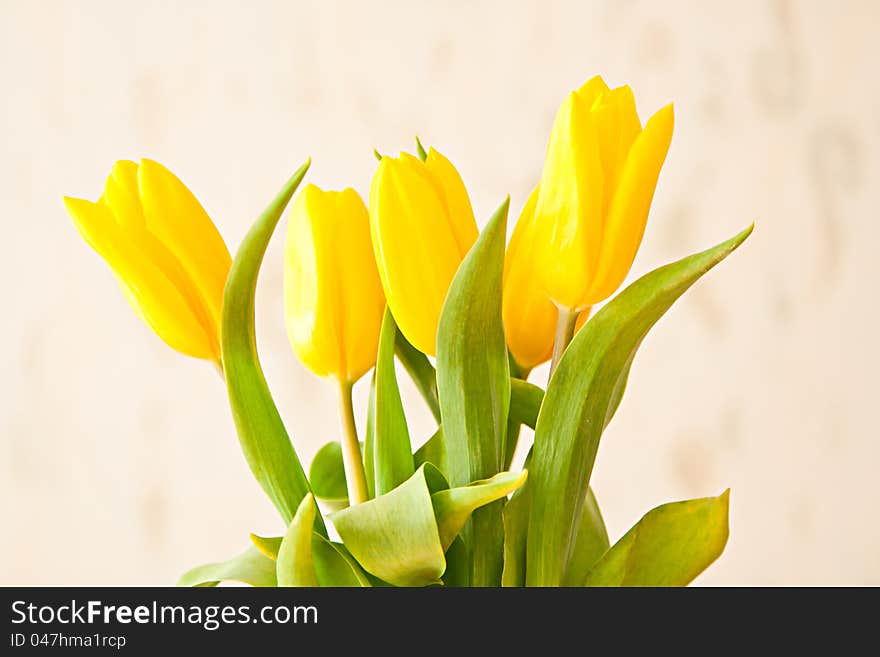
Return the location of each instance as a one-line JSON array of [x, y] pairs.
[[391, 451], [395, 536], [421, 372], [591, 542], [473, 380], [434, 452], [453, 506], [261, 432], [250, 567], [295, 566], [580, 399], [334, 566], [327, 476], [669, 546]]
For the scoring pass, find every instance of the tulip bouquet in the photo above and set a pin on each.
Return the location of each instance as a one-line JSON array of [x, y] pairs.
[[411, 279]]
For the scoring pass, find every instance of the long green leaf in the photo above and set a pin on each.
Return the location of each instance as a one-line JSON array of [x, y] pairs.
[[453, 506], [395, 536], [261, 432], [369, 440], [579, 401], [591, 542], [421, 372], [516, 524], [669, 546], [473, 380], [391, 451], [250, 567], [295, 566]]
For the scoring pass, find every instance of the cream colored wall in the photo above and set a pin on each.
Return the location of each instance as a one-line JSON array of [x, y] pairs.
[[118, 459]]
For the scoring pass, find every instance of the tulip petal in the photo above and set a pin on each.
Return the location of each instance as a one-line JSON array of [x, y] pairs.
[[416, 252], [461, 214], [618, 126], [177, 219], [154, 297], [569, 207], [529, 314], [334, 300], [629, 209]]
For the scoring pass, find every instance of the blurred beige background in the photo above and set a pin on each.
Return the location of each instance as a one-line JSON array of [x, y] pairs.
[[118, 458]]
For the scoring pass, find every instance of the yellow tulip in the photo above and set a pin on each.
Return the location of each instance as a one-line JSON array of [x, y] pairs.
[[163, 248], [333, 298], [596, 189], [528, 313], [530, 317], [422, 226]]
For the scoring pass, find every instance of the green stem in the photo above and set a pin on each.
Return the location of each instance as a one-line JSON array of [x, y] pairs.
[[564, 333], [352, 460]]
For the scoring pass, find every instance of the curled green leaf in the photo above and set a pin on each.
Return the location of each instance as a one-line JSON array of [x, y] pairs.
[[453, 506], [395, 536]]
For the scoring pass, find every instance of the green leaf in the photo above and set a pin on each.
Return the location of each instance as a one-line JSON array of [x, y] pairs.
[[473, 380], [457, 568], [327, 476], [369, 441], [261, 432], [295, 566], [669, 546], [580, 399], [516, 524], [453, 506], [421, 372], [591, 542], [525, 402], [334, 566], [395, 536], [433, 452], [250, 567], [391, 451], [420, 150]]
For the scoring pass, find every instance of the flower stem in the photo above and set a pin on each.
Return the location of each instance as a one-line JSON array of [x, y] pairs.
[[351, 450], [564, 332]]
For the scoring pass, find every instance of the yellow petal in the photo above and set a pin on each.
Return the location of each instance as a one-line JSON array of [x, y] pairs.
[[591, 90], [416, 251], [122, 196], [632, 201], [176, 218], [461, 214], [153, 296], [617, 124], [569, 208], [529, 315], [333, 298]]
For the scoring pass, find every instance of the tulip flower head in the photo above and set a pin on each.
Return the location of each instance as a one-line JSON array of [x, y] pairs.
[[528, 313], [422, 227], [333, 298], [165, 251], [596, 189]]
